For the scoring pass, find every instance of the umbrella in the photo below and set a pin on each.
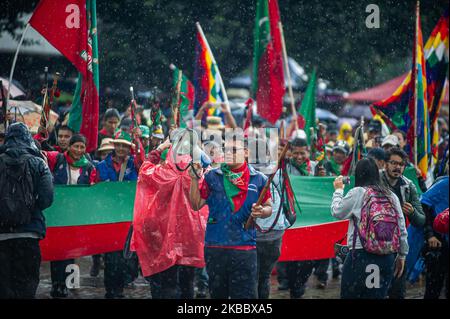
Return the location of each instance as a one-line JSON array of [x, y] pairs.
[[15, 91], [357, 111], [29, 113], [327, 116]]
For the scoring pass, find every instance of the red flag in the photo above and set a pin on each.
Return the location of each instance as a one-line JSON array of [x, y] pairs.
[[268, 77], [71, 27], [63, 24]]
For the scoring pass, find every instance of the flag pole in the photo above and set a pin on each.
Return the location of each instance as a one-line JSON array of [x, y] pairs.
[[415, 71], [222, 86], [11, 73], [288, 73]]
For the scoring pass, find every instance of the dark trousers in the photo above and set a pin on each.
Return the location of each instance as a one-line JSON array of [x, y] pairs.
[[58, 272], [282, 276], [355, 275], [232, 273], [177, 282], [201, 278], [20, 260], [436, 273], [397, 290], [268, 253], [115, 274], [300, 271]]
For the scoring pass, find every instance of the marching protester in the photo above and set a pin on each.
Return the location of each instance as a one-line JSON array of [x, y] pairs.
[[383, 244], [22, 223], [269, 230], [168, 235], [340, 152], [118, 166], [63, 138], [230, 193], [71, 167], [346, 134], [110, 121], [393, 179], [434, 202], [299, 271]]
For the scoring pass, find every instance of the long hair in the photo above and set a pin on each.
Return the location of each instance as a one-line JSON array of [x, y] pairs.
[[368, 175]]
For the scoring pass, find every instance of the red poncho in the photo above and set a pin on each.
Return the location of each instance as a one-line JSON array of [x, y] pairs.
[[167, 231]]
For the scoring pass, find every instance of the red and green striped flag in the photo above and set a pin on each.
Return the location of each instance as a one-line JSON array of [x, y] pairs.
[[71, 27], [268, 76]]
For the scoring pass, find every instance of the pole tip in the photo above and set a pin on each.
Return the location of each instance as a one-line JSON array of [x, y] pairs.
[[131, 89], [46, 69], [172, 66]]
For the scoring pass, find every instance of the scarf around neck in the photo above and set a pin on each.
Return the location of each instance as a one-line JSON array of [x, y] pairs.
[[235, 182]]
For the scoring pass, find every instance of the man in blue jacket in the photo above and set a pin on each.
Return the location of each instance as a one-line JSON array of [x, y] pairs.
[[20, 255], [231, 192]]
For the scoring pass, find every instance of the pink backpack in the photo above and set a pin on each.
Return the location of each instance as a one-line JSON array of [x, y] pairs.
[[378, 229]]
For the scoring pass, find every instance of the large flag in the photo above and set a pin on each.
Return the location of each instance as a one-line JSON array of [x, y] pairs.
[[268, 76], [407, 109], [307, 110], [184, 94], [97, 218], [71, 27], [437, 57], [207, 80]]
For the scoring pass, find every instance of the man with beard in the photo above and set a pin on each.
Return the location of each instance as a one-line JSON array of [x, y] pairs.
[[392, 177]]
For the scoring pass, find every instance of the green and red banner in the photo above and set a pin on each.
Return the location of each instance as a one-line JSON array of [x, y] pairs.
[[88, 220], [268, 76], [71, 27]]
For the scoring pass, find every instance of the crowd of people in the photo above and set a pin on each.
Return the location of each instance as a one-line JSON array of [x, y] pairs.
[[238, 260]]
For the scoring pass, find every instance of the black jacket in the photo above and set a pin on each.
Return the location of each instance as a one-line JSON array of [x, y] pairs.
[[18, 142]]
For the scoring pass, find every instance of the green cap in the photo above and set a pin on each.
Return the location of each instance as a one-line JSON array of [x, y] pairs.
[[145, 131]]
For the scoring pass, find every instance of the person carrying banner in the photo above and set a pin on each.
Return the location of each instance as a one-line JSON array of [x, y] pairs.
[[71, 167], [118, 166]]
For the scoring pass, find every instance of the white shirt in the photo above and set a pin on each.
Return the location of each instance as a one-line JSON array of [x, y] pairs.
[[349, 207]]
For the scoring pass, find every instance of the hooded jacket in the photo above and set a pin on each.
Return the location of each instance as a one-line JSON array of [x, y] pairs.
[[19, 142]]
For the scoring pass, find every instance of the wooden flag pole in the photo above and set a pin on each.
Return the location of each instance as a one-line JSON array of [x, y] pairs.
[[288, 73], [415, 81], [250, 221]]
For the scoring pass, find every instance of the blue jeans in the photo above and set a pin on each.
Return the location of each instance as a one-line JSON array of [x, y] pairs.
[[355, 273], [232, 273]]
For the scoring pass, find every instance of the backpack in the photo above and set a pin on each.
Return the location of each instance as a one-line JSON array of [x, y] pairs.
[[17, 200], [378, 229]]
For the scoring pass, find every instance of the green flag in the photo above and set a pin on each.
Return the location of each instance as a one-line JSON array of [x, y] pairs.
[[308, 107]]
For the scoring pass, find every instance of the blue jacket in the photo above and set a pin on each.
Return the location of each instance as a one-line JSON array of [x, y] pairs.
[[224, 227], [19, 142], [107, 173], [60, 172]]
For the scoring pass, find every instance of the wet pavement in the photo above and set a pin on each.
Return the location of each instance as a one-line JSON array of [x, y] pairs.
[[92, 287]]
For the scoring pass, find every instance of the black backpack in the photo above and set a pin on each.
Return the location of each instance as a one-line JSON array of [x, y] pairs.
[[17, 199]]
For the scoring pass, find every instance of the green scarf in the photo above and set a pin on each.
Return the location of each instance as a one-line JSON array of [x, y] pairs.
[[82, 162], [335, 167], [302, 168], [235, 185]]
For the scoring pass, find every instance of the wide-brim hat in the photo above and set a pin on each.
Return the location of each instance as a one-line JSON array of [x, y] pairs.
[[214, 123], [106, 145], [123, 137]]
